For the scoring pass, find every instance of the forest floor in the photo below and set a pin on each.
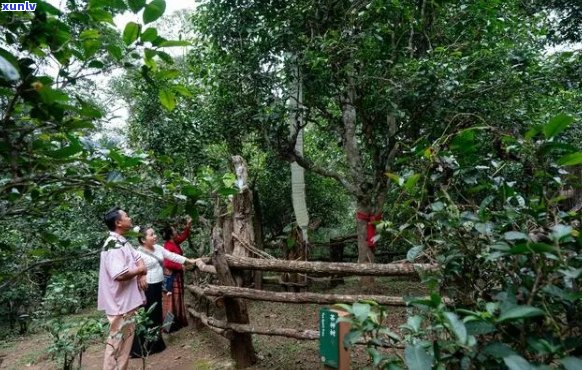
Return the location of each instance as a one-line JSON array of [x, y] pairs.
[[203, 349]]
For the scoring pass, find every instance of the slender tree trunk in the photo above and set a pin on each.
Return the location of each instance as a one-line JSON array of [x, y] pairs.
[[358, 176]]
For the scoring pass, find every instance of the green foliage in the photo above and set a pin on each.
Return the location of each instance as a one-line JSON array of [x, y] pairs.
[[509, 250], [55, 171], [70, 339], [69, 292]]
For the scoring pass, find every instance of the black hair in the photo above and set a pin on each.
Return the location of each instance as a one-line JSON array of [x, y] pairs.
[[111, 217], [141, 234], [167, 232]]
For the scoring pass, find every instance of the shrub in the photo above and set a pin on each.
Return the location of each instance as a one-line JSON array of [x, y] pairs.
[[510, 251]]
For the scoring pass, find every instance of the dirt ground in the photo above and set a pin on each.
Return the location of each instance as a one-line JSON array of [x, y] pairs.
[[202, 349]]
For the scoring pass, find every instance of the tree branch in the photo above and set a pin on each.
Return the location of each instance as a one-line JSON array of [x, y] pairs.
[[310, 166], [47, 262]]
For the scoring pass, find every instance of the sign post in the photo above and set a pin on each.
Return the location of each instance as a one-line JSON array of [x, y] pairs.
[[331, 337]]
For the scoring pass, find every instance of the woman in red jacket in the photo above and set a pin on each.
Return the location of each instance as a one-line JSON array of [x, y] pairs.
[[173, 301]]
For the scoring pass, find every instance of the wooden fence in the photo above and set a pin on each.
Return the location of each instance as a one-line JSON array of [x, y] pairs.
[[231, 296]]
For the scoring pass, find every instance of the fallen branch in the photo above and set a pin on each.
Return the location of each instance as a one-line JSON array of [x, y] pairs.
[[337, 268], [280, 332], [204, 319], [217, 301], [306, 297]]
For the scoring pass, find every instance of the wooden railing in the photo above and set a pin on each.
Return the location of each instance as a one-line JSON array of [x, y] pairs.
[[230, 296]]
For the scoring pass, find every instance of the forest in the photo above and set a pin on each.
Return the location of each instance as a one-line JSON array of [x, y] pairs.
[[442, 132]]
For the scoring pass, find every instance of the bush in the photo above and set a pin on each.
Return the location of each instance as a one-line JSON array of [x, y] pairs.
[[69, 292], [510, 252], [71, 338]]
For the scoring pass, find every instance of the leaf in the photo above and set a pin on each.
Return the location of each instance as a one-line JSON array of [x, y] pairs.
[[9, 69], [571, 159], [149, 53], [394, 177], [169, 211], [182, 90], [153, 11], [73, 148], [559, 231], [411, 182], [89, 34], [571, 272], [417, 358], [557, 125], [351, 338], [414, 323], [414, 252], [50, 96], [114, 51], [136, 5], [457, 326], [361, 311], [172, 43], [485, 228], [191, 191], [49, 237], [520, 312], [100, 15], [224, 191], [96, 64], [90, 111], [498, 350], [168, 99], [169, 74], [543, 248], [532, 132], [130, 33], [479, 327], [514, 235], [114, 176], [165, 57], [572, 363], [437, 206], [526, 248], [149, 34], [45, 7], [90, 47], [515, 362]]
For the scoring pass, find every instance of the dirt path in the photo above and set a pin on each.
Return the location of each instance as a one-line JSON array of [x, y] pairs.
[[186, 350]]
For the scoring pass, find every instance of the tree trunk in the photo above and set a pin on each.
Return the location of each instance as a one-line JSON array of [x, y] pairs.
[[295, 252], [365, 253], [227, 227], [241, 345], [242, 216]]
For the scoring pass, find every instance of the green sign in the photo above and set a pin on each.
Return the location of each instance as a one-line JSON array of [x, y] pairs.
[[329, 337]]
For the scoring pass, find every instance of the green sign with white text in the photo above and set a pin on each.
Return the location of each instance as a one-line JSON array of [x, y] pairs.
[[329, 337]]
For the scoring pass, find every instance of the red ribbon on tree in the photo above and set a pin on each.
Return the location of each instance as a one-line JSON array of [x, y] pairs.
[[371, 219]]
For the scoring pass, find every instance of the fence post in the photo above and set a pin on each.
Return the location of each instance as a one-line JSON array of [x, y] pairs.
[[241, 344]]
